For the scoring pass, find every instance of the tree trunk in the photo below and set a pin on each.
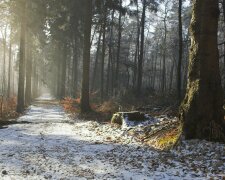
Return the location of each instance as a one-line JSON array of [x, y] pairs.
[[4, 63], [136, 56], [163, 86], [20, 96], [13, 78], [34, 81], [202, 109], [155, 64], [118, 52], [28, 74], [171, 74], [75, 66], [224, 45], [9, 68], [140, 60], [59, 75], [110, 56], [85, 106], [93, 85], [63, 72], [103, 54], [180, 52]]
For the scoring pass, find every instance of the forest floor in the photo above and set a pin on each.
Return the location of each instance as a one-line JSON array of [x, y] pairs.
[[45, 143]]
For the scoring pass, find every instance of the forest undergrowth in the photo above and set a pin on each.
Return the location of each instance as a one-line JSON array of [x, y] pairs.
[[164, 135], [7, 110], [153, 104]]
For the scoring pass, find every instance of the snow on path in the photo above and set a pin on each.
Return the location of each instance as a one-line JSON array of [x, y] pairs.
[[46, 144]]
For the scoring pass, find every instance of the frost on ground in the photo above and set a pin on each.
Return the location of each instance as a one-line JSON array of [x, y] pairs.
[[46, 144]]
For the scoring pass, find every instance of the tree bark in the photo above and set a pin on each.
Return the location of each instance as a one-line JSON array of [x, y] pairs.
[[110, 58], [34, 81], [9, 68], [85, 106], [118, 52], [63, 72], [28, 74], [136, 56], [75, 66], [223, 5], [93, 85], [163, 86], [103, 54], [140, 60], [59, 75], [4, 62], [180, 52], [20, 95], [202, 109]]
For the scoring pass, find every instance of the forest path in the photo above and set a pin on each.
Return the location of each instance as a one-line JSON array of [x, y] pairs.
[[47, 144]]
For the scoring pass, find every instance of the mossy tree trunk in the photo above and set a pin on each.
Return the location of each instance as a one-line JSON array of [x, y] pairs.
[[202, 109]]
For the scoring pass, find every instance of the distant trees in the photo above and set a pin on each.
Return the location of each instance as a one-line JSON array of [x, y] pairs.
[[164, 46], [117, 47], [134, 47], [25, 14], [202, 109], [134, 50], [124, 54], [140, 48]]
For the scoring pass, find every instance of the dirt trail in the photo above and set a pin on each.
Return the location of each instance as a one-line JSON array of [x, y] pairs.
[[47, 144]]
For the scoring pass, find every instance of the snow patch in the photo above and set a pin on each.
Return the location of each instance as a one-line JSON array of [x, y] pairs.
[[52, 146]]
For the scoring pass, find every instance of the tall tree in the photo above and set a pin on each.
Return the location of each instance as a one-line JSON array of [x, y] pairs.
[[202, 109], [223, 5], [136, 56], [9, 66], [110, 56], [75, 65], [140, 59], [103, 51], [118, 49], [4, 35], [85, 106], [28, 70], [63, 72], [96, 61], [164, 47], [180, 51], [20, 96]]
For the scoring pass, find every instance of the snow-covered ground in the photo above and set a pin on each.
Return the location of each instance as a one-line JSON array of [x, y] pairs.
[[46, 144]]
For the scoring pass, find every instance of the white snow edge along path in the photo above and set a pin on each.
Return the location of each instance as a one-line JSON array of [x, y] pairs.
[[46, 144]]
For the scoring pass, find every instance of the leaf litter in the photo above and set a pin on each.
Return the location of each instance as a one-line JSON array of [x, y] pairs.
[[53, 146]]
